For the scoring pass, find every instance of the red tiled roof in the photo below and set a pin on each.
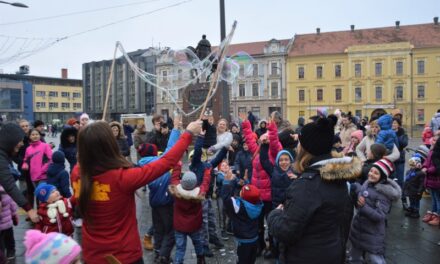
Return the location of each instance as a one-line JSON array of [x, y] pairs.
[[252, 48], [421, 36]]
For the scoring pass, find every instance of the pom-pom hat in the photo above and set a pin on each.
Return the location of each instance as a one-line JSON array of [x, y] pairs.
[[43, 191], [188, 181], [250, 193], [317, 137], [385, 168]]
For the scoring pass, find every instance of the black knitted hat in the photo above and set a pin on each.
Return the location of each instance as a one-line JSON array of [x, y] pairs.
[[317, 137]]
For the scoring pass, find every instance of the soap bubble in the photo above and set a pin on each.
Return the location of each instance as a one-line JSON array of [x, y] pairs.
[[230, 70]]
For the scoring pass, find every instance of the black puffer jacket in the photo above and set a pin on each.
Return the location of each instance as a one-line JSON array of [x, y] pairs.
[[312, 226], [10, 136]]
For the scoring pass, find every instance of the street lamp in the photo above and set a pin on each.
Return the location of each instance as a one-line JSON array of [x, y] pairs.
[[281, 89], [14, 4]]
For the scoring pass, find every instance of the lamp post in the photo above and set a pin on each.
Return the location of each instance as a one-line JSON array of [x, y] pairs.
[[15, 4], [412, 94], [224, 87], [281, 89]]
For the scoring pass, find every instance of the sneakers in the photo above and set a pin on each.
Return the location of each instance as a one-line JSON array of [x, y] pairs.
[[435, 221], [148, 242], [10, 255], [428, 217], [224, 235], [216, 242]]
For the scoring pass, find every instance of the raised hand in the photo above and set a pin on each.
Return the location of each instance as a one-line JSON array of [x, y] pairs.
[[242, 116], [195, 127]]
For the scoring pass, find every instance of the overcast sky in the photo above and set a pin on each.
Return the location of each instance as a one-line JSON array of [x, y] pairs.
[[183, 25]]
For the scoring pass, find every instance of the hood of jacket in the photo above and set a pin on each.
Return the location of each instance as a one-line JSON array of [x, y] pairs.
[[54, 169], [385, 122], [68, 131], [252, 210], [262, 121], [145, 160], [10, 136], [301, 121], [390, 189], [193, 195], [345, 168], [121, 129], [282, 152]]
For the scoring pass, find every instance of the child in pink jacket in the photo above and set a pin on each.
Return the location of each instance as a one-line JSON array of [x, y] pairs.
[[37, 157], [260, 178]]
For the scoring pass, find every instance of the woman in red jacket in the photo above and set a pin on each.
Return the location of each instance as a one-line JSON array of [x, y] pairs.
[[107, 186]]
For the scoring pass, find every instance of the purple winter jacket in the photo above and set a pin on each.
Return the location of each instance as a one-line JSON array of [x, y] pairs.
[[432, 179], [8, 210]]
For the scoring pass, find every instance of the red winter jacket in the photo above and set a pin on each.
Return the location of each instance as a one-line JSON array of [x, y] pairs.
[[259, 176], [113, 228], [188, 209], [62, 225]]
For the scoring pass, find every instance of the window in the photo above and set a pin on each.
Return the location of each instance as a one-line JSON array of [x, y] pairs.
[[53, 94], [76, 95], [274, 68], [53, 105], [255, 69], [41, 93], [301, 95], [338, 70], [41, 104], [255, 89], [76, 105], [338, 94], [241, 71], [399, 93], [256, 111], [378, 93], [65, 105], [358, 94], [357, 70], [421, 115], [179, 75], [399, 67], [274, 89], [358, 113], [301, 72], [241, 90], [301, 114], [164, 75], [318, 72], [242, 109], [378, 68], [65, 94], [420, 92], [420, 67], [319, 94]]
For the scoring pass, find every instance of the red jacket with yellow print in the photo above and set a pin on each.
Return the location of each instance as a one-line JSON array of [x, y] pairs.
[[113, 228]]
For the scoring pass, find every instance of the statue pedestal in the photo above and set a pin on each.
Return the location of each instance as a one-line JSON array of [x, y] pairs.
[[195, 95]]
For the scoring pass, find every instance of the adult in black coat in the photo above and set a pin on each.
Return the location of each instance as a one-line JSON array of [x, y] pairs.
[[312, 225], [252, 119], [11, 140]]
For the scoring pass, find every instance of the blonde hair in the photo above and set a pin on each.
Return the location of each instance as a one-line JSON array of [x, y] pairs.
[[302, 160]]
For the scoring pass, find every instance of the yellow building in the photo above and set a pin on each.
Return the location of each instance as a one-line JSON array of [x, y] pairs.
[[367, 72], [56, 100]]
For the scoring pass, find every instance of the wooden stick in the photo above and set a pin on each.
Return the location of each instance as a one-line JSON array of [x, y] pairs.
[[109, 85], [214, 80], [112, 259]]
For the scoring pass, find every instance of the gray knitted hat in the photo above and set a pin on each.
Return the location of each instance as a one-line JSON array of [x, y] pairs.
[[188, 181]]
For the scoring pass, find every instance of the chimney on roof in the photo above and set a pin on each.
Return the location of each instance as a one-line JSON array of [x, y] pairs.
[[64, 73], [397, 24], [352, 28], [436, 21], [318, 31]]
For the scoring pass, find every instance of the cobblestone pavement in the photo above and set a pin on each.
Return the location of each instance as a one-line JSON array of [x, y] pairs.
[[408, 240]]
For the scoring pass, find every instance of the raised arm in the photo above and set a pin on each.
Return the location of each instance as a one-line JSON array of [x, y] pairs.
[[264, 159], [248, 136], [225, 143], [274, 142]]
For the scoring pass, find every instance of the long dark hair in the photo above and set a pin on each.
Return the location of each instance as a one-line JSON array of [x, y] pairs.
[[436, 153], [98, 152]]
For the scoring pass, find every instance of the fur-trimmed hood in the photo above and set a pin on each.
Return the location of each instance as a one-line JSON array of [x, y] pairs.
[[178, 192], [345, 168], [390, 189]]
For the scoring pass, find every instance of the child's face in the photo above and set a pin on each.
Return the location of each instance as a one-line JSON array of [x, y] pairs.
[[54, 196], [245, 147], [34, 136], [373, 175], [115, 131], [284, 162], [224, 167], [71, 139], [395, 126], [40, 128]]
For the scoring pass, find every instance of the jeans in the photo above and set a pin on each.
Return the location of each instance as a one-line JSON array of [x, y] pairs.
[[357, 258], [435, 195], [209, 230], [163, 230], [267, 208], [196, 238], [247, 252], [7, 241]]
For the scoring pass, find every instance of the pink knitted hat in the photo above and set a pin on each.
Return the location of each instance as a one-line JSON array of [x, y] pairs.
[[50, 248]]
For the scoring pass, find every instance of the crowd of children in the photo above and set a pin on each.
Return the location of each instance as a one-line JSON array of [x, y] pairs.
[[249, 173]]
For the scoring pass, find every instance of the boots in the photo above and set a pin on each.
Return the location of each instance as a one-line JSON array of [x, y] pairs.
[[412, 213], [148, 242], [428, 217], [435, 221], [201, 260]]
